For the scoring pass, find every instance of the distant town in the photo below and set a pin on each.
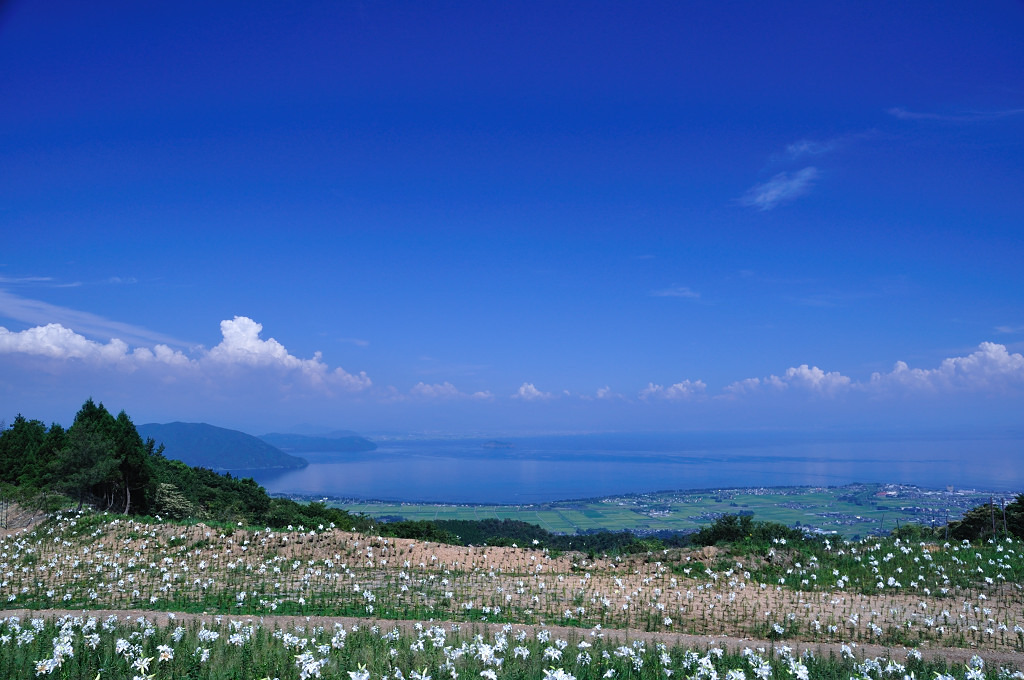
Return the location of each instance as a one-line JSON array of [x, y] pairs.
[[851, 511]]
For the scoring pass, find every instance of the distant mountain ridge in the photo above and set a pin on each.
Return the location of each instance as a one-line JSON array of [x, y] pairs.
[[218, 448], [341, 441]]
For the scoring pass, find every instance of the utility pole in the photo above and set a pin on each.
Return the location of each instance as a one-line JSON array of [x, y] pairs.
[[992, 509]]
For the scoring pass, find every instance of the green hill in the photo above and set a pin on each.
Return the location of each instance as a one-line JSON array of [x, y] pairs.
[[217, 448], [339, 442]]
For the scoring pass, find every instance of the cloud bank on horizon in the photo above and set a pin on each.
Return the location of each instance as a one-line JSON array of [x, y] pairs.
[[991, 368]]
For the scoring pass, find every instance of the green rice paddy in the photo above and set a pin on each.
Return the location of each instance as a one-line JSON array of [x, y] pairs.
[[848, 511]]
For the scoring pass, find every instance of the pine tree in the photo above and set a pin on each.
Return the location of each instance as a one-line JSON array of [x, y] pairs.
[[19, 449], [134, 464], [86, 466]]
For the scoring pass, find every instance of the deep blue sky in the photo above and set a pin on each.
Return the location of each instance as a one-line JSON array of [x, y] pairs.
[[514, 216]]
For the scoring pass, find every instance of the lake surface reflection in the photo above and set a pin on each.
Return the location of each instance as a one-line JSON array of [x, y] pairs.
[[556, 468]]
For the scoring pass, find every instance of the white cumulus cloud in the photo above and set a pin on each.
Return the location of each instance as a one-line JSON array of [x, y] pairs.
[[745, 386], [445, 390], [527, 392], [812, 378], [54, 341], [241, 346], [991, 366], [803, 377], [686, 389]]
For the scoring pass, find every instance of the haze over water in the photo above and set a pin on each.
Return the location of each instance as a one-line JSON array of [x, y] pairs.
[[557, 468]]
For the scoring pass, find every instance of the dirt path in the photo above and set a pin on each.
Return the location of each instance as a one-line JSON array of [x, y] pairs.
[[950, 654]]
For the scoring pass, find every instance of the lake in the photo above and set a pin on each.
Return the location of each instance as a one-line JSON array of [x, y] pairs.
[[538, 469]]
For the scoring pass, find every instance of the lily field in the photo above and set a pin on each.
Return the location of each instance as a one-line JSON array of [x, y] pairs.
[[98, 594]]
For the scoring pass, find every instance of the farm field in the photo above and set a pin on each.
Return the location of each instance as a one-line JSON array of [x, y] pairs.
[[850, 511], [109, 582]]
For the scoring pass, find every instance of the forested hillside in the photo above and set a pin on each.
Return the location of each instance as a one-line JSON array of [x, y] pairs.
[[102, 461]]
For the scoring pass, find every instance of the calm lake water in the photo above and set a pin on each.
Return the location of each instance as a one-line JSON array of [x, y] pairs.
[[540, 469]]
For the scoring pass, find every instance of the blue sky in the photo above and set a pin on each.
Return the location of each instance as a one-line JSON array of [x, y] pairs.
[[507, 217]]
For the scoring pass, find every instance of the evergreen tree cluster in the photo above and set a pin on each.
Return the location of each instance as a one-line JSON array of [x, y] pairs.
[[102, 461], [731, 528], [979, 523], [507, 532]]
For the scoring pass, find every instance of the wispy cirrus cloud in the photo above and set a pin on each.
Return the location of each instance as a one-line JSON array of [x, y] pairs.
[[676, 292], [24, 280], [38, 282], [31, 311], [789, 185], [780, 189], [810, 147], [966, 117]]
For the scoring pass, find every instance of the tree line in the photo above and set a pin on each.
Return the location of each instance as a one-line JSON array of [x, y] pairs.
[[102, 462], [980, 523]]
